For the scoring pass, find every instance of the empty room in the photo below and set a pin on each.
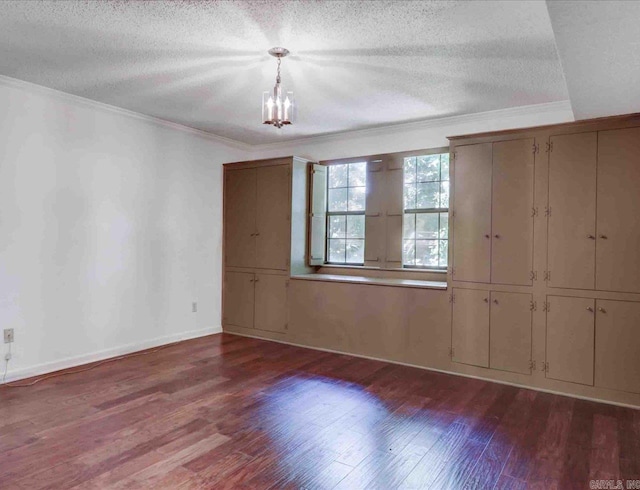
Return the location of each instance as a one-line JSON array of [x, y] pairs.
[[319, 244]]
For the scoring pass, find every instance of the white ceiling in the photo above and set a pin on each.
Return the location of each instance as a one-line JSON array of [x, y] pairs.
[[354, 64], [599, 45]]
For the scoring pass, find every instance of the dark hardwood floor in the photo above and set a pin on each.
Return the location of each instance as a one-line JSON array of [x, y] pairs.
[[231, 412]]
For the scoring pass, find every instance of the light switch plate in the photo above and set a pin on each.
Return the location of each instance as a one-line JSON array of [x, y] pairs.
[[8, 335]]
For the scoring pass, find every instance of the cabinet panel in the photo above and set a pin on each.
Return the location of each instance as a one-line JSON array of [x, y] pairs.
[[510, 344], [470, 327], [618, 244], [512, 205], [572, 199], [271, 302], [238, 299], [240, 217], [618, 345], [570, 339], [472, 208], [272, 217]]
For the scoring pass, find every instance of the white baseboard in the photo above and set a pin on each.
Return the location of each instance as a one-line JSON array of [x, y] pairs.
[[101, 355]]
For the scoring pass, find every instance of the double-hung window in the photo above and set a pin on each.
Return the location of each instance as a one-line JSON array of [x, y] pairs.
[[346, 194], [426, 211]]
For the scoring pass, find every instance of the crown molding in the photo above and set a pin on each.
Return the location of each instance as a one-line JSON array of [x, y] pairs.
[[101, 106], [512, 112]]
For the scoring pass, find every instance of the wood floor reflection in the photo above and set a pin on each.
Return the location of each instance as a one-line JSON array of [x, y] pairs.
[[231, 412]]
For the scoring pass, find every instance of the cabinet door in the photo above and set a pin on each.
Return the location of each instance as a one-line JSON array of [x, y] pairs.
[[570, 339], [271, 302], [240, 217], [472, 213], [572, 222], [272, 217], [238, 299], [511, 215], [618, 345], [470, 328], [618, 245], [510, 344]]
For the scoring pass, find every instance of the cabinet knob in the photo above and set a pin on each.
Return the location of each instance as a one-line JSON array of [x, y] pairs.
[[496, 236], [589, 309], [604, 237], [495, 301], [591, 237], [486, 300], [487, 236], [602, 309], [252, 234]]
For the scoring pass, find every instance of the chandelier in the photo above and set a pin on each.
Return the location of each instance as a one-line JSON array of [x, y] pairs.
[[276, 110]]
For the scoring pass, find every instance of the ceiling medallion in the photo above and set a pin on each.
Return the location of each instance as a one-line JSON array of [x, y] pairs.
[[276, 110]]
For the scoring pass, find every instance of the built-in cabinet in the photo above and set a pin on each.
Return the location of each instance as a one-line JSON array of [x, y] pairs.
[[492, 329], [570, 339], [258, 229], [617, 353], [492, 212], [571, 212], [549, 216], [257, 215], [256, 300], [594, 230], [470, 332], [594, 342]]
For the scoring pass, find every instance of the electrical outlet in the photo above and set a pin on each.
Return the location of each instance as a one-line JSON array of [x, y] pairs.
[[194, 307], [8, 335]]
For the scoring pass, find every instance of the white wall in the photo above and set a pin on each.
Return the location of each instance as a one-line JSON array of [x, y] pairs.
[[110, 226], [415, 136]]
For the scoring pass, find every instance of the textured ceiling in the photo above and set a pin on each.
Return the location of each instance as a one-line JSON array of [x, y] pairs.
[[354, 64], [599, 44]]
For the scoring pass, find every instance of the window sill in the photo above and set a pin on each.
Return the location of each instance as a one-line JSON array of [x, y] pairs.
[[374, 281], [396, 269]]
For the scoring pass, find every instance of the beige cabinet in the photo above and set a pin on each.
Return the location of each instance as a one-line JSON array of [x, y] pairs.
[[511, 212], [472, 213], [271, 302], [510, 332], [239, 299], [256, 300], [240, 217], [470, 327], [618, 345], [493, 212], [272, 218], [618, 242], [257, 217], [572, 219], [570, 339]]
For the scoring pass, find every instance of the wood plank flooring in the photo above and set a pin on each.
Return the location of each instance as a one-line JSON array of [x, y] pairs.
[[232, 412]]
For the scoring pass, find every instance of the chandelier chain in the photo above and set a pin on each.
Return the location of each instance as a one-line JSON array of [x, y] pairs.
[[278, 77]]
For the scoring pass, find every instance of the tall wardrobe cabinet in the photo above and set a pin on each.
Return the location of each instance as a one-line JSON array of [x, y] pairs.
[[262, 212]]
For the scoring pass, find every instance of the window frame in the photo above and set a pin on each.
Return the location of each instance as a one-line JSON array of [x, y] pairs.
[[346, 214], [416, 211]]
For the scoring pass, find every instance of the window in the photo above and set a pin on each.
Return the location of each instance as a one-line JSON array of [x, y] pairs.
[[346, 189], [426, 211]]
